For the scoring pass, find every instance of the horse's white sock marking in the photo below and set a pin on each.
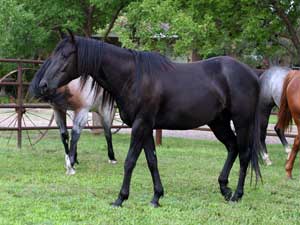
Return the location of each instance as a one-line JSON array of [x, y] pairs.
[[112, 161], [69, 168], [267, 159], [288, 156], [288, 150]]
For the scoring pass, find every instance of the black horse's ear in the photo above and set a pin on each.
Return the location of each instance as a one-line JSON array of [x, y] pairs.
[[62, 35], [72, 37]]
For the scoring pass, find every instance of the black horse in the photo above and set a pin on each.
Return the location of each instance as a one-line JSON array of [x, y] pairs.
[[153, 92]]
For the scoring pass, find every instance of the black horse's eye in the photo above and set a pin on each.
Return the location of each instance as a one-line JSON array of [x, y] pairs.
[[66, 54]]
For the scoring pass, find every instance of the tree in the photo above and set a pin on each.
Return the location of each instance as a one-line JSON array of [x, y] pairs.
[[27, 25], [247, 29]]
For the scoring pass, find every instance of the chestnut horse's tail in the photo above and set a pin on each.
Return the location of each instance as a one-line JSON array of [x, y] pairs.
[[284, 114]]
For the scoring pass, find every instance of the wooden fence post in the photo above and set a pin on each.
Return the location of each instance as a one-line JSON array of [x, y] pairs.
[[20, 105], [158, 137]]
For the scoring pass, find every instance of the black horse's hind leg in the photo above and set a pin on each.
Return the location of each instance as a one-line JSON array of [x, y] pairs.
[[224, 133], [139, 131], [280, 134], [265, 111], [106, 122], [149, 148], [243, 138]]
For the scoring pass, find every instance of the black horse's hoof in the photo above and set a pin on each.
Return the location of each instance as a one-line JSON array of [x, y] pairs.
[[117, 203], [114, 205], [228, 196], [236, 197], [155, 204], [227, 193]]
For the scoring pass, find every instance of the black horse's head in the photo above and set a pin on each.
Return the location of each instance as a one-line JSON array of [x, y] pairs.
[[61, 66]]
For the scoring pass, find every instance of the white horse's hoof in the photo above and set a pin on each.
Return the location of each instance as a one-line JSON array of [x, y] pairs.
[[268, 162], [267, 159], [288, 156], [112, 161], [68, 166], [70, 171]]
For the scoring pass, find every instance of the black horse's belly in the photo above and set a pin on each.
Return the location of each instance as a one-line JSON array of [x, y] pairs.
[[187, 114]]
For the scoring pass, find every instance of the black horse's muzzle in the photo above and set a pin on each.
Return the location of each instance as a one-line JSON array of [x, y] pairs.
[[44, 86]]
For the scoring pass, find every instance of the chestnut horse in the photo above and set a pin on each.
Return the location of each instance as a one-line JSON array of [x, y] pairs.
[[290, 110]]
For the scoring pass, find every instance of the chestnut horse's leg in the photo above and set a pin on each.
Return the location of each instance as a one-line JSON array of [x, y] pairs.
[[292, 156], [140, 130], [224, 133]]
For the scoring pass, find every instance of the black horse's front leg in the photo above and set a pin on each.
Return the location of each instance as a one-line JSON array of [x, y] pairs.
[[149, 148], [138, 134]]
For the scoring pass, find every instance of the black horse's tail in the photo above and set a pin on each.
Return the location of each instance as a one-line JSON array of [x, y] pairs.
[[256, 147]]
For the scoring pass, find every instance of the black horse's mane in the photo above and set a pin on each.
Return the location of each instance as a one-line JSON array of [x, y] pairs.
[[89, 58], [91, 51]]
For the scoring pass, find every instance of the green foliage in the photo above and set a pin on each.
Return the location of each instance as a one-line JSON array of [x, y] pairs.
[[27, 25], [35, 190], [249, 30]]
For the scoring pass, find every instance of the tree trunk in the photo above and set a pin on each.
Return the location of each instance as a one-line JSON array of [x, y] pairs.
[[194, 56], [112, 22], [88, 25], [288, 24]]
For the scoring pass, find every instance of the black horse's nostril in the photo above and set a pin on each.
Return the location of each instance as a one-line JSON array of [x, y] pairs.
[[43, 86]]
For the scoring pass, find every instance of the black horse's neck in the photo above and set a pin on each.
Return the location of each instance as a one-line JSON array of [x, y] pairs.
[[120, 71], [112, 68]]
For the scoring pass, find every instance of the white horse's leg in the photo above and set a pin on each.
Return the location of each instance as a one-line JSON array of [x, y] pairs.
[[69, 169], [80, 119], [60, 118]]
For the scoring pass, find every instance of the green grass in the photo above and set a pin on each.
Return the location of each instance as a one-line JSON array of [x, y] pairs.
[[4, 99], [273, 119], [35, 190]]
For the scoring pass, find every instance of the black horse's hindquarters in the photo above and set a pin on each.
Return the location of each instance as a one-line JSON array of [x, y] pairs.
[[153, 92]]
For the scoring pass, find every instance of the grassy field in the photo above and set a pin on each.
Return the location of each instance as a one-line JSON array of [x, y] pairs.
[[273, 119], [35, 190]]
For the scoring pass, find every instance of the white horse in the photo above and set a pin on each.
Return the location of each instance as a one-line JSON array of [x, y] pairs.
[[271, 82], [80, 98]]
